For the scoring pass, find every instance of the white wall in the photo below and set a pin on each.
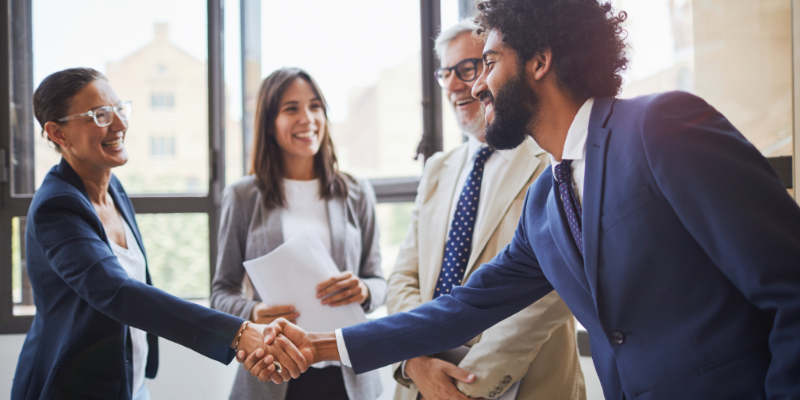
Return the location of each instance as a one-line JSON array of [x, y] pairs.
[[184, 374]]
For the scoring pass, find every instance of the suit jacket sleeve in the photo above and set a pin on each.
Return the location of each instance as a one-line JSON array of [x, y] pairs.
[[504, 286], [226, 289], [370, 269], [508, 348], [732, 202], [404, 293], [70, 236]]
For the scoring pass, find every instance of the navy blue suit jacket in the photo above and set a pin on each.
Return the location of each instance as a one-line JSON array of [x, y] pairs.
[[79, 343], [690, 287]]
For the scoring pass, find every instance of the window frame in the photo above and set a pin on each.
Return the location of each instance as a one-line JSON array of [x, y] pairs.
[[16, 18]]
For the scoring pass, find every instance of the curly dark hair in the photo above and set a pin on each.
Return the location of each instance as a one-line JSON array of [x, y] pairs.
[[586, 38]]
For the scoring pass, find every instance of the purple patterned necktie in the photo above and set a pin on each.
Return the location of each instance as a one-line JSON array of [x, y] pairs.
[[459, 246], [563, 175]]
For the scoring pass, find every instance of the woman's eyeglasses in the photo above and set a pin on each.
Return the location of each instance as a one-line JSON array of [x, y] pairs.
[[466, 70], [104, 116]]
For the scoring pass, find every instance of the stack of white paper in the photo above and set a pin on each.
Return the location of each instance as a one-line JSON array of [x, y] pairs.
[[290, 274]]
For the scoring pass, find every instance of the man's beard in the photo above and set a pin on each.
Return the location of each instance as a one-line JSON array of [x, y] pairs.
[[516, 108]]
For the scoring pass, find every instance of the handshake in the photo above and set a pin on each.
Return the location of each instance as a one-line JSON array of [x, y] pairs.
[[281, 350]]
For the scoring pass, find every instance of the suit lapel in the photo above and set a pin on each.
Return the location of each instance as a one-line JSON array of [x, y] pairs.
[[563, 238], [337, 215], [522, 166], [434, 239], [272, 228], [596, 151]]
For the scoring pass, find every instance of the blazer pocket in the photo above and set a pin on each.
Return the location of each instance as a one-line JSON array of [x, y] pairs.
[[638, 199], [86, 383]]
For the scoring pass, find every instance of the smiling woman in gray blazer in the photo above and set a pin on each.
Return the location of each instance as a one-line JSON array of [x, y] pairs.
[[294, 183]]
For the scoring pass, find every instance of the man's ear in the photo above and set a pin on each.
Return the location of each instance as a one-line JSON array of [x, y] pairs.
[[538, 66], [56, 134]]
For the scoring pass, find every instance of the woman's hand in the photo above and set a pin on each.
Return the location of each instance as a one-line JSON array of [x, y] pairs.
[[350, 290], [265, 315]]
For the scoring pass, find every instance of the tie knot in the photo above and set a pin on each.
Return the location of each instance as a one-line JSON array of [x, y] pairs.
[[563, 171], [482, 155]]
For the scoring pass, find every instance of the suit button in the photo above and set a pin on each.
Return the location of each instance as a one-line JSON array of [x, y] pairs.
[[617, 337]]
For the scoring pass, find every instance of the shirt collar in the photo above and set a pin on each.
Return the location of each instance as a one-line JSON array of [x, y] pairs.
[[575, 144]]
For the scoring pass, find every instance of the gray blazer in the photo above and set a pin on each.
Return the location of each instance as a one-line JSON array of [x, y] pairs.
[[247, 230]]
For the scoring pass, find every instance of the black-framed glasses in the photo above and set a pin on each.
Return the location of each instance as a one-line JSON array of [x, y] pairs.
[[466, 70], [104, 116]]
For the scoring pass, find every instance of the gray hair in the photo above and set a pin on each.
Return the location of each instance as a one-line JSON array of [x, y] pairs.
[[444, 38]]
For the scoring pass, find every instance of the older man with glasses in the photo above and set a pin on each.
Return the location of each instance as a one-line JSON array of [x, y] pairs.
[[468, 205]]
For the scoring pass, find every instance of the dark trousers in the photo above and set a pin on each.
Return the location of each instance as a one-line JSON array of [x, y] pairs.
[[318, 383]]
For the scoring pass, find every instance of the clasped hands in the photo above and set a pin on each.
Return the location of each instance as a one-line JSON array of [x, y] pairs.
[[289, 345]]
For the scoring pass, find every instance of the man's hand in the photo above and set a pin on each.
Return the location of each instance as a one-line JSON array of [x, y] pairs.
[[350, 290], [434, 378], [265, 315], [255, 345]]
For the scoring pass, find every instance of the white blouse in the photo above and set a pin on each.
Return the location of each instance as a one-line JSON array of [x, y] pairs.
[[132, 261], [305, 208]]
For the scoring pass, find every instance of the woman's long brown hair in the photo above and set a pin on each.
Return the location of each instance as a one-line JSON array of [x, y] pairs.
[[267, 160]]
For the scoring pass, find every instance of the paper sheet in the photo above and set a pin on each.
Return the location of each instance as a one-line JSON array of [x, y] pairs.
[[290, 274]]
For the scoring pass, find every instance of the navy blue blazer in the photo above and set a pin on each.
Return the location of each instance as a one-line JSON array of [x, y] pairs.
[[690, 287], [79, 343]]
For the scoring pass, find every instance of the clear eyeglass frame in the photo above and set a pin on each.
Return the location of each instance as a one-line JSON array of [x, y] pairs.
[[104, 116]]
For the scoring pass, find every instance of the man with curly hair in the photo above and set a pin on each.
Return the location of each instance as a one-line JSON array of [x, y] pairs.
[[666, 232]]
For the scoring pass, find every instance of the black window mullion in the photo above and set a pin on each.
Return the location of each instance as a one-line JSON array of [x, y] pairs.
[[432, 139], [216, 126]]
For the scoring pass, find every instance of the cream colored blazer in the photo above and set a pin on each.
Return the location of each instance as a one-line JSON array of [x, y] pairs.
[[536, 345]]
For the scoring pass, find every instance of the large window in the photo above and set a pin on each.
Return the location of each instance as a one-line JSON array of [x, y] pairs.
[[735, 54], [164, 56], [194, 85], [192, 112]]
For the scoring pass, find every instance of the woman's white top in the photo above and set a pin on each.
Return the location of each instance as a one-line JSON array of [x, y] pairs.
[[132, 261], [305, 208]]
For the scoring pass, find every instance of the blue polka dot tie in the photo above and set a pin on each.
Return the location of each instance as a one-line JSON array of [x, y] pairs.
[[563, 175], [459, 242]]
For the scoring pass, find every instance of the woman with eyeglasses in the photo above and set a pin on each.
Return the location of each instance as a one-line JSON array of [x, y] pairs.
[[295, 183], [97, 313]]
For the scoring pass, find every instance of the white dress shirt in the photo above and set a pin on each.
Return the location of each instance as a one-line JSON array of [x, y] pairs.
[[132, 261], [575, 147]]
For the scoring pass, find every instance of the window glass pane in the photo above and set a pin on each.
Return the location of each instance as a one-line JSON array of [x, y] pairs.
[[368, 70], [156, 57], [735, 54], [393, 222], [21, 292], [234, 153], [448, 12], [177, 252]]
